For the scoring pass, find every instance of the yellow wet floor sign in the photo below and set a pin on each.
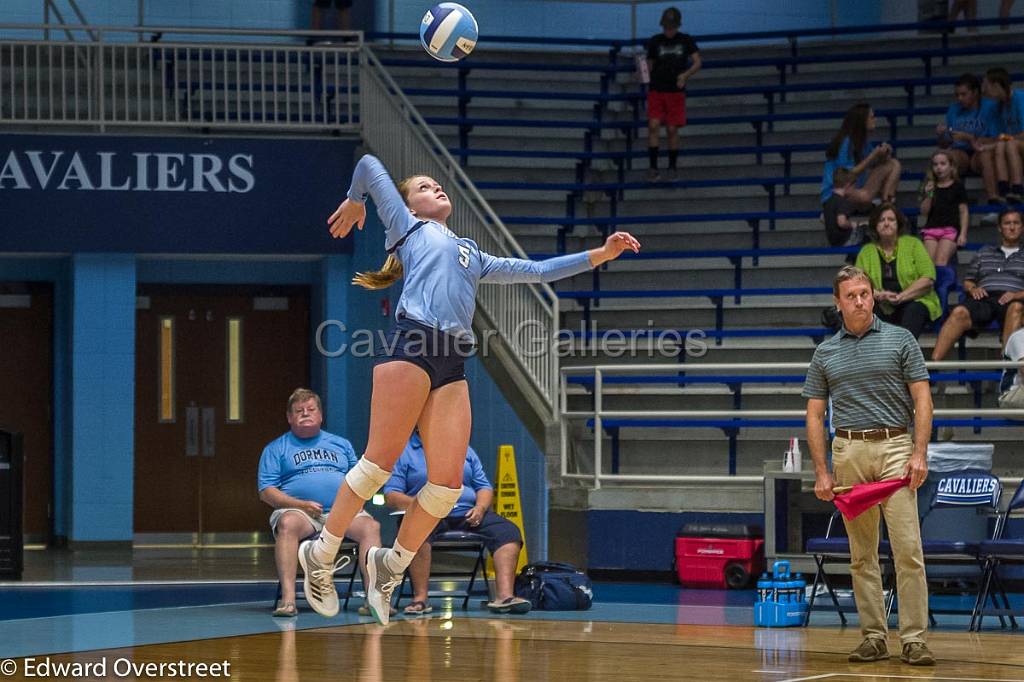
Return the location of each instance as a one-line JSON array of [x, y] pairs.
[[507, 503]]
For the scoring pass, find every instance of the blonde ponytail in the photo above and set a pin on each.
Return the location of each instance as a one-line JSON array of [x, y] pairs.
[[388, 274], [391, 271]]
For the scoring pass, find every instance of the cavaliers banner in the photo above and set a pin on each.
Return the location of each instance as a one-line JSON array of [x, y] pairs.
[[968, 488], [104, 193]]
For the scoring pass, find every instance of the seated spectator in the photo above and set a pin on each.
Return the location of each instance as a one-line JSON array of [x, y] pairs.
[[343, 17], [299, 474], [470, 514], [970, 11], [997, 88], [969, 133], [1011, 385], [993, 286], [877, 173], [1010, 139], [900, 270], [838, 211], [944, 208]]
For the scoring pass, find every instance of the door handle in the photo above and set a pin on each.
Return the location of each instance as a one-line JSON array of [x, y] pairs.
[[191, 431], [209, 431]]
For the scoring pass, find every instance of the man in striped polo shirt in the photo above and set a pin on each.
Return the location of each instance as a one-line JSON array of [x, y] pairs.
[[875, 375], [994, 285]]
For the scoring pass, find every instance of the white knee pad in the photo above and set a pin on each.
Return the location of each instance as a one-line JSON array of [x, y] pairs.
[[366, 478], [437, 500]]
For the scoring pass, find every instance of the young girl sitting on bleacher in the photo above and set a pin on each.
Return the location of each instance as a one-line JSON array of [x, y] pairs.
[[944, 207]]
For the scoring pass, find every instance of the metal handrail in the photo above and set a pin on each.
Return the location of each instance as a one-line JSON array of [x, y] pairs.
[[182, 30], [505, 308], [50, 5], [598, 413], [245, 84]]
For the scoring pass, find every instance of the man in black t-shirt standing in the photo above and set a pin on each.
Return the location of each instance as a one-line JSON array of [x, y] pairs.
[[669, 56]]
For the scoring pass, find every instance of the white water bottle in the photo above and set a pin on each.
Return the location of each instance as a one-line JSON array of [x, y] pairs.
[[643, 71], [795, 456]]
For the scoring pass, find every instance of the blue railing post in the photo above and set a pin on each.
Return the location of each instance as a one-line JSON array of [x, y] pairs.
[[737, 275], [614, 433]]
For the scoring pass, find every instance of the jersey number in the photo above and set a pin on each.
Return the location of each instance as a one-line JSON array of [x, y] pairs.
[[463, 256]]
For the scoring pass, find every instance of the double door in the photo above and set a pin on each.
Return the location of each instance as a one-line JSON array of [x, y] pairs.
[[26, 395], [214, 369]]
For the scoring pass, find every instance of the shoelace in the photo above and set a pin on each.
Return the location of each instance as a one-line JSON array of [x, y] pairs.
[[324, 577], [387, 588]]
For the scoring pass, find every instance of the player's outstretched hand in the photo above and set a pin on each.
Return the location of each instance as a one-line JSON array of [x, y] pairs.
[[349, 213], [619, 242]]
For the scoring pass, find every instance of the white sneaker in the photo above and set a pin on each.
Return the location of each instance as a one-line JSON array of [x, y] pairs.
[[318, 580], [381, 582]]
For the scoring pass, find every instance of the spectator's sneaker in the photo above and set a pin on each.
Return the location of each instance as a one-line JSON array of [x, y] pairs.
[[1014, 199], [653, 175], [917, 653], [871, 649], [380, 583], [318, 580]]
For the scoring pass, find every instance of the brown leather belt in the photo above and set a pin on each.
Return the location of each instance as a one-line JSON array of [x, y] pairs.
[[872, 434]]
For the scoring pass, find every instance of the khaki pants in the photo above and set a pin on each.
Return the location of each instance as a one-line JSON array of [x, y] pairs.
[[856, 461]]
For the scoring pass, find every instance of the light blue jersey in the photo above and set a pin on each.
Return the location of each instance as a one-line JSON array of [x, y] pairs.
[[1011, 114], [982, 121], [844, 159], [442, 270], [307, 468], [410, 474]]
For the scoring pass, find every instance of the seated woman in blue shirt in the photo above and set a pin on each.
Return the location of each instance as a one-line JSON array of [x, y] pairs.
[[877, 172]]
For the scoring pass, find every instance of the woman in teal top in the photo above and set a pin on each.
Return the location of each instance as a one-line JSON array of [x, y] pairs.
[[900, 270]]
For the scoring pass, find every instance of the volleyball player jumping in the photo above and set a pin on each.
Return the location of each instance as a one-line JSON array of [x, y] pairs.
[[421, 380]]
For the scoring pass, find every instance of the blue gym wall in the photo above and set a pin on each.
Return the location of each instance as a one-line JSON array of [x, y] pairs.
[[496, 17]]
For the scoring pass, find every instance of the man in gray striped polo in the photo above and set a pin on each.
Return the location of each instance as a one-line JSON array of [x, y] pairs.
[[994, 288], [875, 375]]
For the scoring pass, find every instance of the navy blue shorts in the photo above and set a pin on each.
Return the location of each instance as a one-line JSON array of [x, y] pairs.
[[498, 530], [441, 355]]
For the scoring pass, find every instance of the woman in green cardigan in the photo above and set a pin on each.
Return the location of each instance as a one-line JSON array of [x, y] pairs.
[[900, 270]]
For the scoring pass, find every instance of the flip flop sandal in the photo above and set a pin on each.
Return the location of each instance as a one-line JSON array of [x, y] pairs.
[[286, 610], [418, 608], [510, 605]]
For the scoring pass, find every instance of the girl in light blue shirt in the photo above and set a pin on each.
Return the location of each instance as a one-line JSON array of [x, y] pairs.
[[419, 380], [877, 172]]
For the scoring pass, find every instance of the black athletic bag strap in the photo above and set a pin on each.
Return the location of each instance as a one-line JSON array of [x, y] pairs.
[[402, 240]]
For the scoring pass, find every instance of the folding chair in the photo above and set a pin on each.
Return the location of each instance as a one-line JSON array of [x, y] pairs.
[[972, 492], [347, 547], [1000, 550], [835, 548], [460, 542]]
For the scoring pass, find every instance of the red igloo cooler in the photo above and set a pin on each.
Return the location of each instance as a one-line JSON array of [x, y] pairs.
[[719, 555]]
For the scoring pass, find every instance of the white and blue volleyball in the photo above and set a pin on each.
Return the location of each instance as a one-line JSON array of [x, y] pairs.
[[448, 32]]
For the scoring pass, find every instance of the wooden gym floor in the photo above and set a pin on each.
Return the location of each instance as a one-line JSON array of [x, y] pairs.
[[526, 649]]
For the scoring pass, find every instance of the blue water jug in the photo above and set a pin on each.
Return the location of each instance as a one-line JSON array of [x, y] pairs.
[[783, 605]]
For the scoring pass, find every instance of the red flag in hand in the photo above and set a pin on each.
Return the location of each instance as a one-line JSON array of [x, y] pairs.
[[854, 500]]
